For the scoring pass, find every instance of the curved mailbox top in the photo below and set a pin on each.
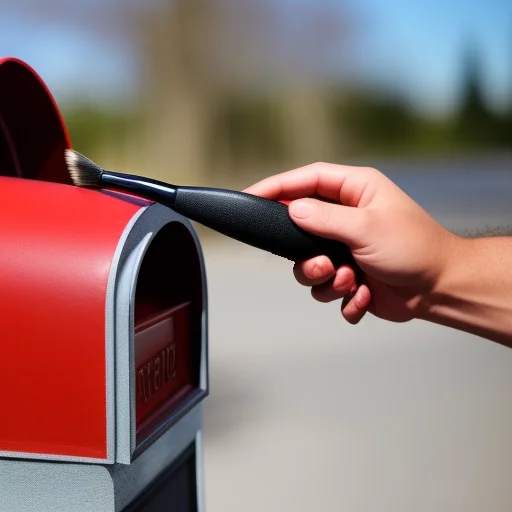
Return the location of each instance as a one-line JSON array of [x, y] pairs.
[[58, 243], [86, 374]]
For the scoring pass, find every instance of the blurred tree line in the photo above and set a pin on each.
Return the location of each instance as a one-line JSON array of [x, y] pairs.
[[385, 123], [218, 98]]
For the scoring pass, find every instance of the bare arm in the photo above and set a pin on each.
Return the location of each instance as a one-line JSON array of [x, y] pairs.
[[474, 293], [413, 267]]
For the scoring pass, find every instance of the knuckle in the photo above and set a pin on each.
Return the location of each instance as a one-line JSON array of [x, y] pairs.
[[327, 215], [321, 166], [314, 269], [364, 220], [314, 166], [371, 171], [372, 174]]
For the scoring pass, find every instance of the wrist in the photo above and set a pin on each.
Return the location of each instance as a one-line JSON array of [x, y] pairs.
[[438, 290], [473, 291]]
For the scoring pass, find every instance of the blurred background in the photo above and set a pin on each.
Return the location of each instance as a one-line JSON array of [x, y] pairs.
[[210, 90], [307, 413]]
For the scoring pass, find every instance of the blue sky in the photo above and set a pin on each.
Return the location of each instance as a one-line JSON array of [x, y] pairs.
[[417, 45], [414, 46]]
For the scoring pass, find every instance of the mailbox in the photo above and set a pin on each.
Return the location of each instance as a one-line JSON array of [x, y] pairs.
[[103, 331]]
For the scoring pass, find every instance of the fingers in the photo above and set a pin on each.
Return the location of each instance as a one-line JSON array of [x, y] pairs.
[[328, 220], [354, 306], [328, 284], [314, 271], [340, 183], [343, 282]]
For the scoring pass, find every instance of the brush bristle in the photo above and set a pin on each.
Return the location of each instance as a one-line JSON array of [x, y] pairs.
[[83, 172]]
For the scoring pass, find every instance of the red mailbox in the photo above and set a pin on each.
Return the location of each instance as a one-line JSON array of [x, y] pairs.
[[103, 330]]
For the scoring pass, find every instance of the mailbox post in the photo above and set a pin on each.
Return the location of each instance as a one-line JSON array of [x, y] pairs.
[[103, 331]]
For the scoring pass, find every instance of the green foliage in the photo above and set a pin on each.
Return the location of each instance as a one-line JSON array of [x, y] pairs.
[[90, 127], [252, 128], [474, 124], [375, 122]]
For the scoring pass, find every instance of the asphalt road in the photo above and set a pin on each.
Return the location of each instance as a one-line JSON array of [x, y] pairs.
[[308, 413]]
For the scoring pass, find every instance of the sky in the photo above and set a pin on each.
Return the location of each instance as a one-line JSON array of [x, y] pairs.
[[417, 46], [411, 46]]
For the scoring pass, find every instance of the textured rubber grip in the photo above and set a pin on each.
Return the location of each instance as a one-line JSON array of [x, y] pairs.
[[258, 222]]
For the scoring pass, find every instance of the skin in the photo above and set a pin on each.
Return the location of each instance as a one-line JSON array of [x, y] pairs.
[[413, 267]]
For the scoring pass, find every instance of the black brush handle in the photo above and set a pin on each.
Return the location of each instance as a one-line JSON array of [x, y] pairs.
[[258, 222]]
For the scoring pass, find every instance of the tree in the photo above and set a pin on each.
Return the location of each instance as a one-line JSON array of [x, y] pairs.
[[475, 124]]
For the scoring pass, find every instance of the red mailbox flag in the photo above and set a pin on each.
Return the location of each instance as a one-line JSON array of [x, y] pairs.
[[32, 132]]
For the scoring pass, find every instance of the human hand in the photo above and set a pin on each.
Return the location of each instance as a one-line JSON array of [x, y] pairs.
[[400, 248]]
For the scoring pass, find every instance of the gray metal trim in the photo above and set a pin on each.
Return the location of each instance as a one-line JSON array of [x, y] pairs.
[[35, 486], [148, 224], [48, 457], [200, 483], [181, 410], [49, 487], [133, 252], [110, 338]]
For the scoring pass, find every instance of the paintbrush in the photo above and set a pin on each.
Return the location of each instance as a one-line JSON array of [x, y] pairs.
[[253, 220]]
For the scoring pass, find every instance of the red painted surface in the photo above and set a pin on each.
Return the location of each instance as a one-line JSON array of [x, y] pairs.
[[56, 247], [163, 364], [32, 132]]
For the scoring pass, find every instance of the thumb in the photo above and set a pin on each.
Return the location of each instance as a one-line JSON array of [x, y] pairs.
[[328, 220]]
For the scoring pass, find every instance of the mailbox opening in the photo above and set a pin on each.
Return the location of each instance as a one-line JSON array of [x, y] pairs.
[[168, 309]]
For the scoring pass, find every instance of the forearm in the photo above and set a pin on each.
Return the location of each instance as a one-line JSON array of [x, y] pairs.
[[474, 294]]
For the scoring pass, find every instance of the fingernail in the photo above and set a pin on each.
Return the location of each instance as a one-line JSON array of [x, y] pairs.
[[318, 270], [358, 298], [300, 209], [361, 298], [341, 281]]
